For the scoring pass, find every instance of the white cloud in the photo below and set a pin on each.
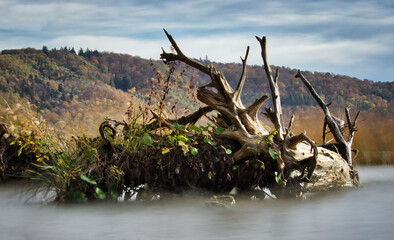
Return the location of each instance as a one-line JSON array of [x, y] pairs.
[[303, 33], [315, 49], [283, 50]]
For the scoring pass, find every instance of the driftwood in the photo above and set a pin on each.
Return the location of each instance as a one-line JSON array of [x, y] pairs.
[[242, 125], [288, 164]]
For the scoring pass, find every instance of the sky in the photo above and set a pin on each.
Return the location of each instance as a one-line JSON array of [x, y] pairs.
[[347, 37]]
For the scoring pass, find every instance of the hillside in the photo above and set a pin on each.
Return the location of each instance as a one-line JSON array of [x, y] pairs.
[[49, 78], [65, 88]]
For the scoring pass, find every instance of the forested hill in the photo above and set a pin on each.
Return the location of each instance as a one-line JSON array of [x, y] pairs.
[[59, 79]]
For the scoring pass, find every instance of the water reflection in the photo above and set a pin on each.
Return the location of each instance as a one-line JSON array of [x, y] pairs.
[[364, 213]]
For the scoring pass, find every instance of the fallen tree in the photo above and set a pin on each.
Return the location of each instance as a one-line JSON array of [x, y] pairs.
[[286, 163]]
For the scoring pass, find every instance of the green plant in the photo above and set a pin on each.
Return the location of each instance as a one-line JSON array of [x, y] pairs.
[[278, 178], [179, 137], [227, 150], [259, 165], [274, 155], [209, 141], [268, 140], [147, 139]]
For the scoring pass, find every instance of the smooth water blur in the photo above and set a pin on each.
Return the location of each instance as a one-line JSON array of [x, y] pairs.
[[363, 213]]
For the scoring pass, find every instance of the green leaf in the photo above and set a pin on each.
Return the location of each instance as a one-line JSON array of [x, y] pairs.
[[19, 123], [165, 150], [262, 166], [273, 154], [185, 148], [209, 141], [171, 139], [182, 138], [194, 151], [179, 126], [99, 194], [195, 128], [204, 128], [278, 178], [63, 156], [20, 151], [219, 130], [147, 140], [259, 164], [227, 150], [235, 167], [87, 179]]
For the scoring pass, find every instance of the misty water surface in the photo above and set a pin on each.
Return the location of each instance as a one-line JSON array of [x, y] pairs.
[[364, 213]]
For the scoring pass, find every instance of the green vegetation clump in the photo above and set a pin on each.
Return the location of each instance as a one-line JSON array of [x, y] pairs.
[[171, 159]]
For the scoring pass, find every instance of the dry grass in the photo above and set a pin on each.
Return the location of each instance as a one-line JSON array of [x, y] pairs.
[[374, 137]]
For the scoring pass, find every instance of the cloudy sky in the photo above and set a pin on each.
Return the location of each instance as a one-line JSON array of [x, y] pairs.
[[351, 37]]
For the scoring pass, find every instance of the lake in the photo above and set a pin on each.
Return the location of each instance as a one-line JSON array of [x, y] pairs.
[[363, 213]]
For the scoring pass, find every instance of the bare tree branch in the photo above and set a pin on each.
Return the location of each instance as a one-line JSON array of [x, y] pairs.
[[168, 57], [238, 90], [189, 119], [277, 113], [344, 146], [253, 109]]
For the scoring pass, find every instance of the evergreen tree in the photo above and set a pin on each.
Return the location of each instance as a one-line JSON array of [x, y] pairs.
[[118, 82], [61, 88], [45, 49], [80, 52], [126, 82]]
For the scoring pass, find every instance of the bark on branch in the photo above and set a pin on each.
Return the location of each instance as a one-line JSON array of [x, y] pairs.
[[343, 146], [276, 115], [226, 100], [283, 152]]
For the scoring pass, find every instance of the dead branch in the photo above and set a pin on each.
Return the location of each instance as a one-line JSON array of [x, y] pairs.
[[226, 101], [169, 123], [276, 115], [344, 146]]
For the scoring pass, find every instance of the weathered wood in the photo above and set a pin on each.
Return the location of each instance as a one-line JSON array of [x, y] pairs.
[[244, 122], [275, 116], [344, 146], [189, 119], [292, 155]]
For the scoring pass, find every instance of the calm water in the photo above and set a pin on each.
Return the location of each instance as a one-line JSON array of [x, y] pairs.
[[364, 213]]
